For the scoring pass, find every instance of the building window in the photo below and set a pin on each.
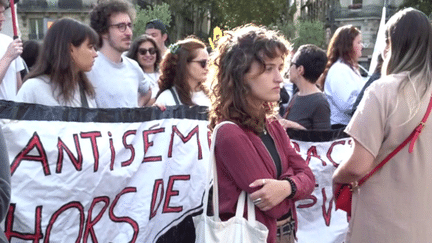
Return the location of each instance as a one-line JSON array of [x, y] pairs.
[[36, 31], [356, 4]]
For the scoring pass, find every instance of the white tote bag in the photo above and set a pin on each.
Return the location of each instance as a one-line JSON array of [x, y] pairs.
[[210, 229]]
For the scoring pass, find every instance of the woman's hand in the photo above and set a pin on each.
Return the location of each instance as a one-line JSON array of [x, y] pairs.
[[271, 193], [161, 106], [290, 124]]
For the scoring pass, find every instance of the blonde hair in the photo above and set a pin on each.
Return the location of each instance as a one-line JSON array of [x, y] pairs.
[[410, 53]]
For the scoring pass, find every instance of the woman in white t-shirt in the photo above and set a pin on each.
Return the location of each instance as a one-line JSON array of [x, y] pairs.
[[58, 77], [144, 50], [183, 71], [342, 78]]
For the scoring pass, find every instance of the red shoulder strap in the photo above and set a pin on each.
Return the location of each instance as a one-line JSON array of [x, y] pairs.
[[411, 138]]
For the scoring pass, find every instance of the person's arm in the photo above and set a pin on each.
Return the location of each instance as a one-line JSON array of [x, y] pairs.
[[13, 51], [236, 154], [144, 99], [290, 124], [299, 172], [276, 191], [5, 183], [19, 80], [357, 166]]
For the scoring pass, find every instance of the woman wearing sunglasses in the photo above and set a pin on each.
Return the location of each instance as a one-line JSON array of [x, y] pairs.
[[183, 71], [144, 50]]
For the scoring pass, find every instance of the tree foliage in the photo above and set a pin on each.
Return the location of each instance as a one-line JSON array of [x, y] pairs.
[[232, 13], [310, 32], [144, 15], [423, 5]]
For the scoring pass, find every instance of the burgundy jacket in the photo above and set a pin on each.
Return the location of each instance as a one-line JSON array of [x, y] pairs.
[[242, 158]]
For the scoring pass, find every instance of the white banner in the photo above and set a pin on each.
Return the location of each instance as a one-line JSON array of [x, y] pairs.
[[133, 175], [103, 181], [318, 221]]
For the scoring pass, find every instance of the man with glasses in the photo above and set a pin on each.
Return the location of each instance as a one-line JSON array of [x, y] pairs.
[[117, 79]]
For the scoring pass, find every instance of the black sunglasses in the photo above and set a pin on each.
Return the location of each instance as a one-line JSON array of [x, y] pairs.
[[203, 63], [143, 51]]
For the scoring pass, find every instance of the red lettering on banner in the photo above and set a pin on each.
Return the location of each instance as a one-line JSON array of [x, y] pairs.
[[23, 236], [148, 143], [158, 184], [312, 152], [93, 136], [128, 146], [308, 205], [54, 217], [330, 150], [326, 213], [24, 155], [184, 140], [77, 162], [296, 146], [128, 220], [112, 151], [90, 223], [170, 192]]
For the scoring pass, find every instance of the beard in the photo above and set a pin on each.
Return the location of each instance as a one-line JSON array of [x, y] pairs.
[[120, 47]]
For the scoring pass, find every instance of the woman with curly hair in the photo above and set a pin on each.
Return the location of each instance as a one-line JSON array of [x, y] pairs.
[[254, 154], [144, 50], [342, 78], [183, 71]]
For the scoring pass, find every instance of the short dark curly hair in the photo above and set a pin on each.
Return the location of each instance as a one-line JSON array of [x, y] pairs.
[[101, 14]]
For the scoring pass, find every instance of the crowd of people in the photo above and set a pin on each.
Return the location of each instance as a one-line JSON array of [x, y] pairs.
[[103, 66]]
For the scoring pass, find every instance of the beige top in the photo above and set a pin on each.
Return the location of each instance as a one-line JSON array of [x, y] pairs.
[[395, 204]]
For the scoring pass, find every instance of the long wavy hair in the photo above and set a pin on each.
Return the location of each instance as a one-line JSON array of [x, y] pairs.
[[173, 69], [341, 46], [133, 51], [55, 58], [410, 52], [230, 62]]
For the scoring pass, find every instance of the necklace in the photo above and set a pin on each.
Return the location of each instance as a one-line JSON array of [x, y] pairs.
[[265, 130]]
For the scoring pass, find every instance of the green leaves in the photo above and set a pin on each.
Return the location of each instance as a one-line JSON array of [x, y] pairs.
[[144, 15]]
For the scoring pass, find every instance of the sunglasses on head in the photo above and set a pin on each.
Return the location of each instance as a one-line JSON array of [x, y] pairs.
[[203, 63], [143, 51]]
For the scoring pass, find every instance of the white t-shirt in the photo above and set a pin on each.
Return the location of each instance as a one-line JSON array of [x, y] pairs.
[[153, 79], [8, 86], [342, 86], [117, 85], [166, 98], [39, 90]]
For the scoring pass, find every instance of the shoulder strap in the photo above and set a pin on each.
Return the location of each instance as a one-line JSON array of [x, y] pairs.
[[174, 94], [84, 102], [212, 172], [411, 138]]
